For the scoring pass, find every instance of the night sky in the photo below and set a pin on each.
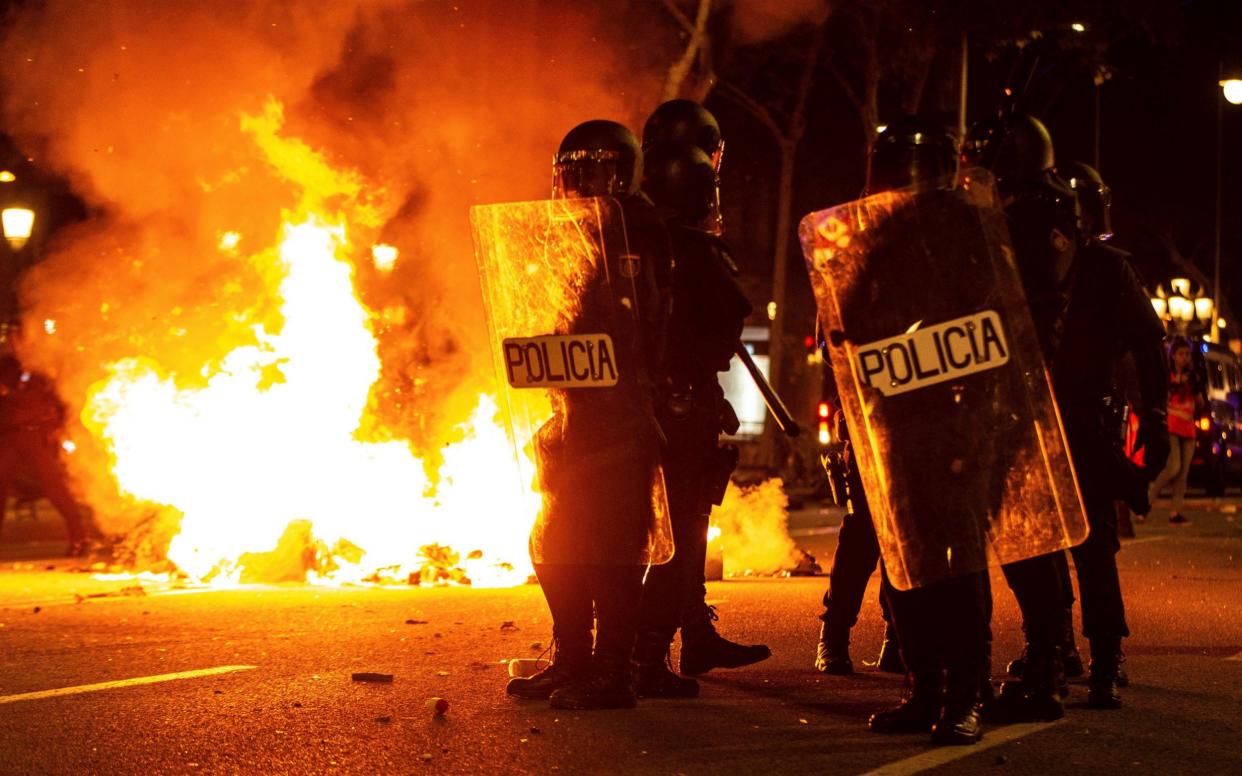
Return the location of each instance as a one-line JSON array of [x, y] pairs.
[[1157, 125]]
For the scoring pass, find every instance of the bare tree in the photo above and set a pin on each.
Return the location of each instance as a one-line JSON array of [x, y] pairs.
[[696, 59], [784, 116]]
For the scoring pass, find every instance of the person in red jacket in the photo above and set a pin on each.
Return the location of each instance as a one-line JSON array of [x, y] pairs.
[[1185, 401]]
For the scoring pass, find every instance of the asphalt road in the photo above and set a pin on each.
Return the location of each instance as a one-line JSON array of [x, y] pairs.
[[282, 699]]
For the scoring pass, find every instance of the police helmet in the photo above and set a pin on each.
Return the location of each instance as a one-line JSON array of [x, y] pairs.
[[597, 158], [1095, 198], [1016, 148], [911, 152], [685, 121], [680, 177]]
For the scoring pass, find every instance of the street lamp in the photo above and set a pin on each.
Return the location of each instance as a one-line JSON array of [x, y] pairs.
[[1181, 306], [1232, 87], [18, 223], [1204, 309], [16, 219]]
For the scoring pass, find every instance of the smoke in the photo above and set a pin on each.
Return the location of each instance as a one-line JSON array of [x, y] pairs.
[[434, 106], [754, 530], [759, 20]]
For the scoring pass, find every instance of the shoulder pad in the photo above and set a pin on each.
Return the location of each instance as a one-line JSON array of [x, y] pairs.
[[725, 253], [1105, 260]]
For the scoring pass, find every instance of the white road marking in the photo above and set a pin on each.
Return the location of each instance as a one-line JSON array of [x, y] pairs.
[[1237, 657], [934, 758], [34, 696], [1144, 540]]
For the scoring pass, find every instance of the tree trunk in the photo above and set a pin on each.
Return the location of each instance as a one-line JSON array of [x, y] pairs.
[[787, 143], [780, 279]]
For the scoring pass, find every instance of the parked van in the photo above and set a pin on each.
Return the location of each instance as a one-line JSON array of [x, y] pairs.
[[1218, 450]]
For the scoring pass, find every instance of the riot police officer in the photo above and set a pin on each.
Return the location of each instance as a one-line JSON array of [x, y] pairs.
[[682, 149], [943, 628], [1089, 310], [594, 430], [1094, 224], [708, 312], [909, 152]]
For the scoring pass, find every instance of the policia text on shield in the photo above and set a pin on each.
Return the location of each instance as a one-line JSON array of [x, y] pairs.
[[560, 361], [923, 357]]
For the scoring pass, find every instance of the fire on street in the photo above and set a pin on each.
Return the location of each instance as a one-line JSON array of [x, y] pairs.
[[258, 680]]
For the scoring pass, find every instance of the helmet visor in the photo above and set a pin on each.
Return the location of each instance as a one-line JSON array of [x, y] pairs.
[[587, 174], [714, 222]]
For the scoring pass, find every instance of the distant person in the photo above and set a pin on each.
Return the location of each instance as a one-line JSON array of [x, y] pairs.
[[1186, 399], [31, 417]]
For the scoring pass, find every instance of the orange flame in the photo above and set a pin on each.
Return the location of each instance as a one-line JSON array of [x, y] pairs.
[[273, 438]]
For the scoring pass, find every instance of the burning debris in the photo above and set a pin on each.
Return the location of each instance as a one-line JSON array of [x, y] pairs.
[[754, 532], [268, 332]]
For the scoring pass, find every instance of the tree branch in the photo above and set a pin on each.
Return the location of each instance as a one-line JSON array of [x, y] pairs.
[[844, 83], [680, 69], [678, 15], [797, 121], [754, 108]]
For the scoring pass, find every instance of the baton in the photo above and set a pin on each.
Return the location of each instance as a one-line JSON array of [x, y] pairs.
[[780, 413]]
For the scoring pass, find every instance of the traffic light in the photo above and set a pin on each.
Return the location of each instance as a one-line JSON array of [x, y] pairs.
[[825, 414], [813, 353]]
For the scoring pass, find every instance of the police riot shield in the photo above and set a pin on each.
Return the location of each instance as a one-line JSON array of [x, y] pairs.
[[952, 420], [569, 328]]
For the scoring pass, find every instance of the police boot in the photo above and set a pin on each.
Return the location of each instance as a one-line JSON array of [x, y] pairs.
[[571, 660], [609, 684], [703, 649], [960, 723], [653, 677], [1102, 687], [918, 712], [890, 661], [1018, 664], [832, 656], [1070, 657], [987, 693], [1036, 696]]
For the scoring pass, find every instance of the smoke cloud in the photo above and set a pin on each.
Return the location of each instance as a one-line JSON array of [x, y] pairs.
[[759, 20], [754, 530], [434, 106]]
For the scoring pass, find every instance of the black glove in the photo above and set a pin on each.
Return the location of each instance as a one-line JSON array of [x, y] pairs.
[[1130, 485], [1153, 440]]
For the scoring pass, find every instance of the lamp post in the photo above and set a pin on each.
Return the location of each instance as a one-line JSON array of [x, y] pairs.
[[18, 222], [1231, 92], [17, 218], [1179, 307]]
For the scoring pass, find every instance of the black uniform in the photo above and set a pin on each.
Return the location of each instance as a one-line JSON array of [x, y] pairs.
[[1089, 310], [708, 313], [705, 325], [853, 562], [1107, 315]]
